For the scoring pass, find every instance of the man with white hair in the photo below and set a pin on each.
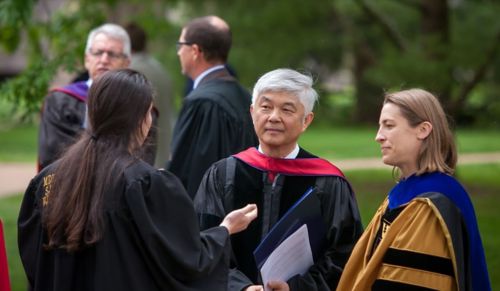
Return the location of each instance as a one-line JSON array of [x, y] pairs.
[[275, 175], [64, 109]]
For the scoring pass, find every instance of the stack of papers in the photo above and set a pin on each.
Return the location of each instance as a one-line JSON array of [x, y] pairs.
[[294, 241]]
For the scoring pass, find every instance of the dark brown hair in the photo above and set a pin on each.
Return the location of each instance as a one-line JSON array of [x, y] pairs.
[[212, 35], [138, 37], [118, 104]]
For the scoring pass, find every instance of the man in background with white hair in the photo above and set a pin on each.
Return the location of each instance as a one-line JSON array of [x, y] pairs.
[[64, 109]]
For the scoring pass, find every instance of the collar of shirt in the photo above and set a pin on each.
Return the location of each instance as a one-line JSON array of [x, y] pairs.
[[291, 155], [206, 72], [86, 118], [89, 83]]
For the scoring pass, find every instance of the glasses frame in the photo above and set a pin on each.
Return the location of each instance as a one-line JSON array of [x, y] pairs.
[[179, 44], [111, 55]]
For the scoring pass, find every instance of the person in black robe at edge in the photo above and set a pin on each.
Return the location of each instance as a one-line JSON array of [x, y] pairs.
[[214, 121], [274, 176], [100, 218]]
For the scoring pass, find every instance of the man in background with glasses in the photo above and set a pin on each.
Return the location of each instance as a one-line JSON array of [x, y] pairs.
[[64, 109], [214, 121]]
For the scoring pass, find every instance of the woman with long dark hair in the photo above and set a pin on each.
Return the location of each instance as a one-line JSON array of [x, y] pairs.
[[100, 218]]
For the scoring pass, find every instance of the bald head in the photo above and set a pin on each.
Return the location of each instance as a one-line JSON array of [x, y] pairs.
[[212, 34], [217, 22]]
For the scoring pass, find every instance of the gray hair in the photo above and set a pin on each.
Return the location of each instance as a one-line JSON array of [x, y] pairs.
[[112, 31], [287, 80]]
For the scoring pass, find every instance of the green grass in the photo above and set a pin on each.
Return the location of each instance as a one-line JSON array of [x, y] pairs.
[[370, 186], [18, 144], [359, 142], [340, 142], [474, 140]]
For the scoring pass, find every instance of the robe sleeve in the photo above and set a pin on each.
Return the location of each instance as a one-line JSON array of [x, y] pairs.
[[29, 231], [168, 230], [61, 119], [344, 227], [209, 204]]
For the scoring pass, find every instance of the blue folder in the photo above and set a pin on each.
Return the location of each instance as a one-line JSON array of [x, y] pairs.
[[307, 210]]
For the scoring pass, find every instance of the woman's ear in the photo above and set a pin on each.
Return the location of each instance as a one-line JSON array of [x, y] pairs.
[[424, 129]]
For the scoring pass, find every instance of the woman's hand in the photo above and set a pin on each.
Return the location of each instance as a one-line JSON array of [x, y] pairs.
[[239, 219], [278, 286], [254, 288]]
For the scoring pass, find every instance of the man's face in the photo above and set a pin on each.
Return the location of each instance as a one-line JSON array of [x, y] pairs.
[[185, 53], [105, 54], [279, 119]]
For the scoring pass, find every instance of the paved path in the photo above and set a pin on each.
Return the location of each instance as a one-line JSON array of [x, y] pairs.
[[14, 177]]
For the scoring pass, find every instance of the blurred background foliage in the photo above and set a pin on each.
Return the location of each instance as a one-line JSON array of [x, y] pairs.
[[355, 49]]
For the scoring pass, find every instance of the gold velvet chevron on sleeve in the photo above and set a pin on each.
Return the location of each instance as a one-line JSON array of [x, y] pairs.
[[415, 253]]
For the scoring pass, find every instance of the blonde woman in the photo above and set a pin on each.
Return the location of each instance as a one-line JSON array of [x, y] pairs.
[[424, 236]]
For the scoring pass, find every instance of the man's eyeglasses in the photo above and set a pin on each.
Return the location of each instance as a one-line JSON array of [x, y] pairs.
[[112, 55], [179, 44]]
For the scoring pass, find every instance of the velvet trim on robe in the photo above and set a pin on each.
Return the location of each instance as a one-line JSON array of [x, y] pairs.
[[417, 251], [409, 188], [291, 167], [238, 180], [78, 90]]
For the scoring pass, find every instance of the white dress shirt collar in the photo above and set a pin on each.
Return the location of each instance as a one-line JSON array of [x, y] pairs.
[[291, 155], [206, 72]]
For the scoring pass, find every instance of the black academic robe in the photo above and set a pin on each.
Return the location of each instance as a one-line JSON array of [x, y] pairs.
[[62, 121], [214, 123], [424, 236], [151, 240], [219, 194], [62, 118]]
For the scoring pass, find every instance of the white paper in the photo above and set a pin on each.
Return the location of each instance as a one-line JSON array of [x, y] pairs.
[[293, 256]]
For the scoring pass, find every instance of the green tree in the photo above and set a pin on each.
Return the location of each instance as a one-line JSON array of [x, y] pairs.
[[435, 44], [55, 39]]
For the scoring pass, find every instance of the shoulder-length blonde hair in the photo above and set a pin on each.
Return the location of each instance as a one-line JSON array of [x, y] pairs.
[[438, 151]]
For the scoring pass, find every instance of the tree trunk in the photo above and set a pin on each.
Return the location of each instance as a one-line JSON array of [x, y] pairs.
[[368, 94], [435, 27]]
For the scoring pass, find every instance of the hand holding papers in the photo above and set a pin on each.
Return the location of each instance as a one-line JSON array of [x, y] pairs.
[[293, 241], [293, 256]]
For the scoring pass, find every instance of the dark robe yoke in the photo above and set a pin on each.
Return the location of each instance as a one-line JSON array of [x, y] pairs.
[[151, 240], [275, 185], [424, 236], [62, 121], [214, 123]]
